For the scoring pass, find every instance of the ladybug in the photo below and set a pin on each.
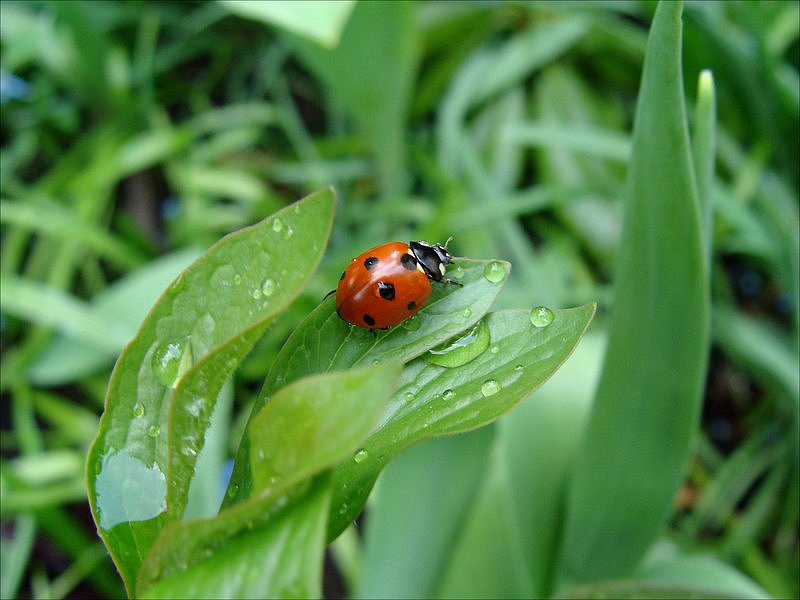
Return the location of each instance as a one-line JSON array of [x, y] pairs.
[[388, 284]]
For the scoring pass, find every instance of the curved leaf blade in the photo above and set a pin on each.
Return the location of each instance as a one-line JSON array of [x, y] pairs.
[[306, 428], [282, 559], [165, 383], [434, 400], [648, 398]]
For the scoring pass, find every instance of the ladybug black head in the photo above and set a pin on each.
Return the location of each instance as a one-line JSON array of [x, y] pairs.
[[432, 258]]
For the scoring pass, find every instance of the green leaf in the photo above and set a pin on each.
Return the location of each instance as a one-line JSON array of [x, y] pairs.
[[305, 428], [704, 141], [324, 342], [648, 398], [321, 22], [281, 559], [705, 575], [165, 383], [507, 544], [434, 400], [408, 537], [48, 306]]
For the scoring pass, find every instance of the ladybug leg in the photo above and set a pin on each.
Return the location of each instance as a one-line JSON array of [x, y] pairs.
[[447, 281], [328, 295]]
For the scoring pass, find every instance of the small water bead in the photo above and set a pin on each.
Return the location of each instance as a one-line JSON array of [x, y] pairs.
[[519, 368], [490, 387], [256, 293], [289, 233], [168, 362], [277, 225], [409, 396], [138, 410], [412, 324], [188, 451], [448, 394], [268, 287], [466, 313], [458, 272], [233, 490], [494, 349], [376, 362], [153, 431], [495, 271], [461, 349], [237, 279], [541, 316], [360, 456]]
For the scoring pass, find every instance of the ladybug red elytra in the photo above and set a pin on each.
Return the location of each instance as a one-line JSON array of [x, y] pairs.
[[388, 284]]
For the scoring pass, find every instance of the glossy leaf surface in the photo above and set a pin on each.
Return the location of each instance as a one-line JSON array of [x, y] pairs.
[[165, 383]]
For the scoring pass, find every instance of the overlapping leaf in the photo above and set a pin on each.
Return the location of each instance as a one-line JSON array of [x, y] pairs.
[[164, 386]]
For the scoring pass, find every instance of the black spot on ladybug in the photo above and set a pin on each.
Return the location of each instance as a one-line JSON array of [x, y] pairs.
[[409, 262], [342, 277], [411, 305], [386, 290], [368, 320], [370, 263]]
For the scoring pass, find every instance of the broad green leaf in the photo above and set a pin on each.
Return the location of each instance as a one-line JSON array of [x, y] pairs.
[[125, 303], [508, 541], [648, 398], [434, 400], [321, 22], [280, 559], [165, 383], [408, 537], [307, 427], [324, 342]]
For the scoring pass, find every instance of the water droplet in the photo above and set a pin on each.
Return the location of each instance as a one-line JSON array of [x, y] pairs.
[[153, 431], [237, 279], [519, 368], [458, 272], [119, 473], [268, 287], [188, 451], [376, 361], [490, 387], [233, 490], [466, 313], [277, 225], [412, 324], [494, 349], [289, 233], [256, 293], [448, 394], [170, 361], [495, 271], [541, 316], [461, 349], [360, 456], [409, 396], [138, 410]]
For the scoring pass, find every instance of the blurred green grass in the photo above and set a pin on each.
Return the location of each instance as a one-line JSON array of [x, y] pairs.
[[135, 133]]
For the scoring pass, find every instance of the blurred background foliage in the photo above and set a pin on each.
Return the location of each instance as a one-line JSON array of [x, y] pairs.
[[135, 134]]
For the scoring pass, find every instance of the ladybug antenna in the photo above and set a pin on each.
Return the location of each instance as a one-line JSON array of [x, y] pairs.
[[450, 239]]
